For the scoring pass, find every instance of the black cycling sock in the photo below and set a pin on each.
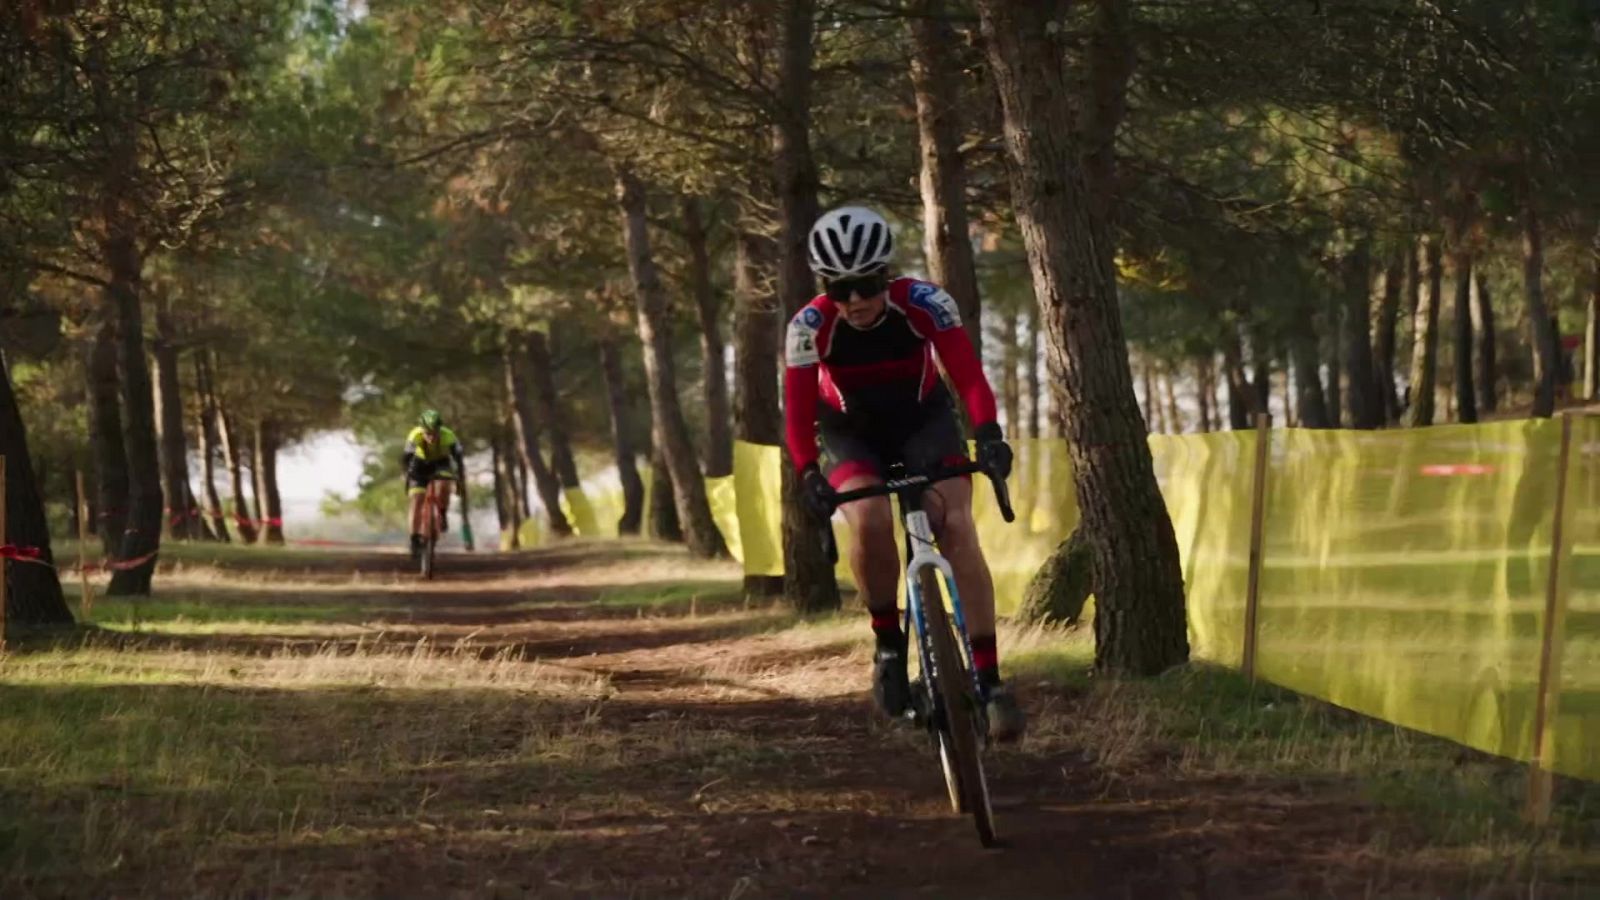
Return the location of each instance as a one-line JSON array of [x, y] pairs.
[[886, 628]]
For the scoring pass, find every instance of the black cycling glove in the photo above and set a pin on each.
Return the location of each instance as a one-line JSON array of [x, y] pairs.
[[818, 494], [994, 454]]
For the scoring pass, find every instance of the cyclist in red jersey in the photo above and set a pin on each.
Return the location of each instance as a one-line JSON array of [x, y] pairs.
[[862, 373]]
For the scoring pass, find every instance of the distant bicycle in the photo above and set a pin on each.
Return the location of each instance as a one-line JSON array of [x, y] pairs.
[[432, 526], [946, 698]]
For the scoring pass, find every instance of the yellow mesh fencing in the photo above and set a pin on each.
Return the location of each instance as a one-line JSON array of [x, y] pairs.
[[1404, 573], [1403, 576]]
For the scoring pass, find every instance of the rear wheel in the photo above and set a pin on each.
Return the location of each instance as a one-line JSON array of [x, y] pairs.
[[958, 725]]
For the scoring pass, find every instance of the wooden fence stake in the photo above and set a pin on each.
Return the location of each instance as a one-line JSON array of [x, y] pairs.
[[86, 598], [1258, 500], [1541, 784]]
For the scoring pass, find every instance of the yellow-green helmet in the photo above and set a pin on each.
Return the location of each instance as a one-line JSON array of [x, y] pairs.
[[430, 419]]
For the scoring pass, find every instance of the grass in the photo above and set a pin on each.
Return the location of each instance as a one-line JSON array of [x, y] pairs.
[[1204, 721], [257, 713]]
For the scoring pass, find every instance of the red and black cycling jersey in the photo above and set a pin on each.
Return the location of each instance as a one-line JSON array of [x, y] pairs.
[[882, 377]]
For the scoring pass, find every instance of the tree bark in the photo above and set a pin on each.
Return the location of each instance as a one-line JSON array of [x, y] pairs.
[[808, 583], [1545, 341], [1170, 391], [105, 434], [719, 418], [1035, 389], [526, 420], [1591, 343], [1366, 399], [1488, 364], [142, 538], [205, 429], [622, 448], [1010, 384], [1063, 190], [34, 594], [1309, 398], [1425, 345], [944, 179], [1240, 396], [758, 332], [549, 412], [232, 454], [1152, 403], [664, 523], [502, 510], [1384, 341], [1202, 381], [1466, 394], [655, 336], [182, 519], [1333, 389], [268, 442]]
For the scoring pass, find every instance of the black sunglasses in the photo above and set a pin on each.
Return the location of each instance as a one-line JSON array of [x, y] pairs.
[[845, 290]]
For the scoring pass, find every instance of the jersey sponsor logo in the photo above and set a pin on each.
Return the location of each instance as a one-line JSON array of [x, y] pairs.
[[800, 347], [937, 303]]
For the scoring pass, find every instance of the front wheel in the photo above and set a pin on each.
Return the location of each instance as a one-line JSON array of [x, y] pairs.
[[958, 718], [430, 539]]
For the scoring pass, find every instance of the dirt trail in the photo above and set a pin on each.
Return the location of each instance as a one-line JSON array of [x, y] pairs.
[[727, 756]]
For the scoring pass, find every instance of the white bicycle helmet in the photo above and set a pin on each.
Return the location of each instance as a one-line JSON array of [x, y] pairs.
[[850, 241]]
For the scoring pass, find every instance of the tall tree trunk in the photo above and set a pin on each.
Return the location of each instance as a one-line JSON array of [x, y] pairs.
[[758, 330], [525, 417], [1035, 389], [34, 596], [622, 448], [267, 444], [1010, 384], [1310, 401], [1202, 381], [105, 433], [142, 539], [1261, 377], [1366, 399], [1425, 345], [1063, 190], [1545, 342], [1152, 403], [1483, 320], [719, 418], [808, 582], [502, 513], [232, 454], [205, 430], [944, 178], [655, 336], [1170, 391], [1466, 394], [182, 519], [549, 412], [1591, 343], [1241, 398], [664, 523], [1333, 390], [1384, 341]]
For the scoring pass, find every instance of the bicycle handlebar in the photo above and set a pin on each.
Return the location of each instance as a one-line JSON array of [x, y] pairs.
[[1002, 495]]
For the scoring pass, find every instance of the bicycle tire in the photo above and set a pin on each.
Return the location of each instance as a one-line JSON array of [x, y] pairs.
[[958, 726]]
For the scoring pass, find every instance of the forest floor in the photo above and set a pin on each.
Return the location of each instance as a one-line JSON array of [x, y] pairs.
[[608, 719]]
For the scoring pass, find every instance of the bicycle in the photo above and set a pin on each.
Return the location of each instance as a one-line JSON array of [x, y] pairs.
[[432, 527], [946, 697]]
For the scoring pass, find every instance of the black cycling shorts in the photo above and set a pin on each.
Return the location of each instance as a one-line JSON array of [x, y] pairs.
[[852, 446], [422, 472]]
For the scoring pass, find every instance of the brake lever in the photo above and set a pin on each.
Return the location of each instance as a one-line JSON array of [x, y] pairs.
[[1002, 496]]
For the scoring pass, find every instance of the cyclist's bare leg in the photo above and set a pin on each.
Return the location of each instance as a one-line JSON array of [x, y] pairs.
[[874, 558], [416, 511], [443, 487], [949, 506]]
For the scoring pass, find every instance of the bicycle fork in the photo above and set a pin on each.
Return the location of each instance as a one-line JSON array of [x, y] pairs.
[[919, 537]]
